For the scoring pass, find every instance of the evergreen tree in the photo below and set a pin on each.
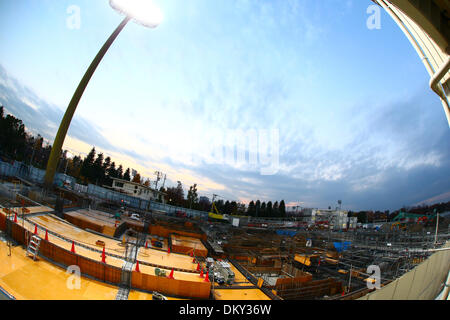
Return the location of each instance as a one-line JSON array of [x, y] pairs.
[[87, 167], [126, 175], [282, 209], [98, 173], [119, 173], [258, 209], [263, 210], [106, 165], [251, 210], [111, 171], [269, 211], [276, 209]]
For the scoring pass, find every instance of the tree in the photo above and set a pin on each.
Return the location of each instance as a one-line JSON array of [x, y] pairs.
[[119, 173], [263, 210], [241, 209], [234, 207], [192, 196], [137, 178], [111, 171], [276, 209], [282, 209], [87, 167], [258, 208], [269, 211], [126, 175], [98, 173], [12, 135], [251, 210]]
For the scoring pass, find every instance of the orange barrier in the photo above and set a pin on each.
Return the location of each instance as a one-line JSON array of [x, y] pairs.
[[174, 287], [188, 245], [2, 222], [111, 274], [96, 269], [165, 232]]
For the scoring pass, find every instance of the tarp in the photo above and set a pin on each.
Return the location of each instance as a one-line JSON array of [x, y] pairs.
[[342, 246], [290, 233]]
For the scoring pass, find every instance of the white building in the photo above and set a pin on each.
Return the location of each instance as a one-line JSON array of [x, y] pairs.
[[137, 190]]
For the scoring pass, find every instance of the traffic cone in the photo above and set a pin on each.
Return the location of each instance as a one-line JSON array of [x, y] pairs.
[[35, 229], [171, 275], [15, 217], [73, 247], [201, 274], [198, 266], [207, 277], [46, 235], [103, 256], [137, 266]]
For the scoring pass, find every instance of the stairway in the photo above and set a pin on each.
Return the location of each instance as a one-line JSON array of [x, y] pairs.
[[33, 247], [125, 281]]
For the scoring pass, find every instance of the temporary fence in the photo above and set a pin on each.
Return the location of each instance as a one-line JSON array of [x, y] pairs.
[[107, 273], [174, 287], [35, 175]]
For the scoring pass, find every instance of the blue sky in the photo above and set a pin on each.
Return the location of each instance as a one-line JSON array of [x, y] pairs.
[[356, 119]]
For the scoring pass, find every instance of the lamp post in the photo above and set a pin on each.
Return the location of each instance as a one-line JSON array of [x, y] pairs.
[[142, 12]]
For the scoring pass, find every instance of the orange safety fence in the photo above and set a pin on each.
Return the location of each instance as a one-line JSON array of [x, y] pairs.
[[188, 250], [2, 222], [95, 269], [164, 232], [174, 287]]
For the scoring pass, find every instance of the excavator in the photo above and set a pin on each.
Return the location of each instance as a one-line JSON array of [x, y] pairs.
[[215, 214]]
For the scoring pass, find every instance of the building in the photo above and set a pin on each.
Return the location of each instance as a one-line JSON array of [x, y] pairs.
[[426, 25], [138, 190]]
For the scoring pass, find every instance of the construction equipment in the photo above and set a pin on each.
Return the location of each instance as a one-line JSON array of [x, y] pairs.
[[398, 226], [223, 272], [33, 246], [215, 214], [160, 273]]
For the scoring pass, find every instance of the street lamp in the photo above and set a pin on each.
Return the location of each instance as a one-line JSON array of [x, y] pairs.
[[143, 12]]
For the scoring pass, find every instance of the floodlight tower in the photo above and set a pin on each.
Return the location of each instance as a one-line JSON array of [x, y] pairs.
[[143, 12]]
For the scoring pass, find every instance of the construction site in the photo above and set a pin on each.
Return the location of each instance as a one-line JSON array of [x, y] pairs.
[[128, 253], [66, 238]]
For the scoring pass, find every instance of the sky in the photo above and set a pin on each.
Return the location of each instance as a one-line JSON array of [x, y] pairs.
[[322, 107]]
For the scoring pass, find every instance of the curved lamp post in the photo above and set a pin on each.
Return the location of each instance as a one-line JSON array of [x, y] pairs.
[[143, 12]]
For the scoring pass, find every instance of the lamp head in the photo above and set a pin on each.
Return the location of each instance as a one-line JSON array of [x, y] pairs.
[[144, 12]]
